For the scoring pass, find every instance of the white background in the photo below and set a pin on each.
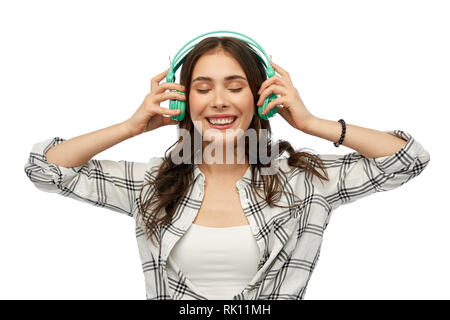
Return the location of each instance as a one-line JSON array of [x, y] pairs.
[[69, 68]]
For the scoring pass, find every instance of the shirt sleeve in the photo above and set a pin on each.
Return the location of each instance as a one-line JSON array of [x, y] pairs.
[[114, 185], [353, 176]]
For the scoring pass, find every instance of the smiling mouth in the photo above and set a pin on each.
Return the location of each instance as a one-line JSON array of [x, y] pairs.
[[226, 121]]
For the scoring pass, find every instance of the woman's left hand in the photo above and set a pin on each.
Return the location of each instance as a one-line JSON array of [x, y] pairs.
[[290, 105]]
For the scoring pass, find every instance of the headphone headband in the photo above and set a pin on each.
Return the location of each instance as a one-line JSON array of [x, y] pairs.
[[181, 56]]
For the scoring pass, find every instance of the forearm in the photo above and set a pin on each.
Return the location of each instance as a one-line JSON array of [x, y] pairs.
[[79, 150], [368, 142]]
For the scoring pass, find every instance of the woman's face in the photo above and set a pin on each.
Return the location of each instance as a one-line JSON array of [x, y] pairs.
[[220, 93]]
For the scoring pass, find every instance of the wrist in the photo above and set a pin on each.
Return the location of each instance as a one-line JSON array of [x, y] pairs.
[[310, 124], [127, 130]]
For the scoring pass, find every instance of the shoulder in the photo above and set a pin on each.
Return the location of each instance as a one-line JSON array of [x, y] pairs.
[[287, 171], [155, 162], [283, 164], [152, 167], [295, 173]]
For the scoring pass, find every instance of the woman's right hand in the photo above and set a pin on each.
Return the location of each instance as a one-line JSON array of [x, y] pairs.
[[150, 114]]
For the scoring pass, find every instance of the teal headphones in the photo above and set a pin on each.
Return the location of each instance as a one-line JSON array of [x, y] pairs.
[[174, 65]]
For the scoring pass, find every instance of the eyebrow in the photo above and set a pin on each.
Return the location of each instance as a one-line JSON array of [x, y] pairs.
[[233, 77]]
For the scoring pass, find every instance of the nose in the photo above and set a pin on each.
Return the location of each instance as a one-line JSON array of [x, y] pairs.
[[219, 101]]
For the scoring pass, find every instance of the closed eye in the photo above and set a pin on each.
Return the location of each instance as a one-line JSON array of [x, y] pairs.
[[205, 91]]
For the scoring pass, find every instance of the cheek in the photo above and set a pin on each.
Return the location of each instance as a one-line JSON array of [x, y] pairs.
[[250, 109], [194, 108], [248, 106]]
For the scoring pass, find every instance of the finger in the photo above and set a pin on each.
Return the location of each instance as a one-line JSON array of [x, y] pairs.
[[273, 104], [270, 81], [281, 71], [170, 86], [168, 112], [173, 95], [272, 89], [157, 79]]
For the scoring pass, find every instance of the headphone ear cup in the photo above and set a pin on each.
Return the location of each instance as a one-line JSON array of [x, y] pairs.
[[178, 104], [272, 112]]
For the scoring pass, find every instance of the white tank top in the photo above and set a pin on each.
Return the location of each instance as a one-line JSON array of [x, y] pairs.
[[219, 262]]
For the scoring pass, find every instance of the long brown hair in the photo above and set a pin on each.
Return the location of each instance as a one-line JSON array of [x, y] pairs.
[[170, 182]]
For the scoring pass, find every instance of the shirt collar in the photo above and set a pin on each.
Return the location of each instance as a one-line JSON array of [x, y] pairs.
[[246, 178]]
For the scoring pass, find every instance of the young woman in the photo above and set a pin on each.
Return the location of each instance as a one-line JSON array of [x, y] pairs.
[[214, 230]]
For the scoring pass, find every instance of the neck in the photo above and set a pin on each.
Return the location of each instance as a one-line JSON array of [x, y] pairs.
[[224, 170], [223, 161]]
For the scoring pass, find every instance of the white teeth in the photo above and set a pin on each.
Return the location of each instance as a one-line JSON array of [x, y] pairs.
[[221, 121]]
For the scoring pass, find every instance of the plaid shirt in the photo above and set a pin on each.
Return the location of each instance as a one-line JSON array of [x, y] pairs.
[[289, 240]]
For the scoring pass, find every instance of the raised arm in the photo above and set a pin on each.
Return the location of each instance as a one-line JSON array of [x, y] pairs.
[[79, 150], [65, 167]]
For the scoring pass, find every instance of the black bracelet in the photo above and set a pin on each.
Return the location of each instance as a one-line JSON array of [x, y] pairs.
[[337, 144]]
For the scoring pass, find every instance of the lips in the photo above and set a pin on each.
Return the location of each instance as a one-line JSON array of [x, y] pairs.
[[220, 118]]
